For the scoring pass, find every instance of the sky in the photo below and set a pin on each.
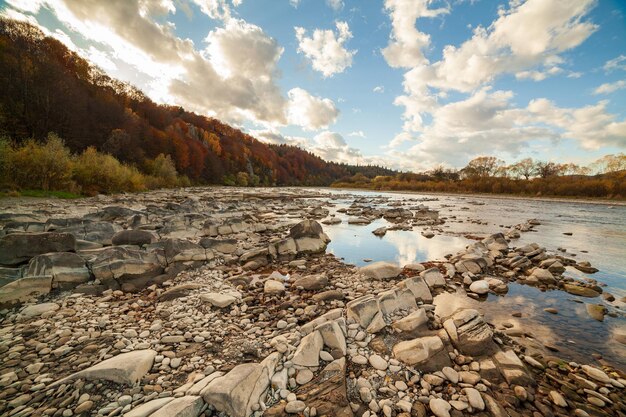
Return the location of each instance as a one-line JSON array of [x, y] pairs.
[[408, 84]]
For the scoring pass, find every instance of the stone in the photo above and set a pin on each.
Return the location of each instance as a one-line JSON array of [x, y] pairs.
[[439, 407], [450, 374], [512, 368], [67, 269], [474, 398], [146, 409], [378, 362], [544, 276], [418, 351], [469, 333], [411, 322], [596, 311], [380, 270], [187, 406], [362, 310], [225, 246], [273, 287], [24, 289], [218, 300], [133, 237], [304, 376], [580, 290], [18, 248], [595, 373], [181, 250], [479, 287], [239, 390], [418, 287], [308, 351], [557, 399], [295, 407], [333, 336], [433, 278], [306, 228], [118, 265], [126, 368], [312, 282], [37, 310]]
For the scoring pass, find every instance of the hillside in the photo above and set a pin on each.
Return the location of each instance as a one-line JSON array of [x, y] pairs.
[[45, 88]]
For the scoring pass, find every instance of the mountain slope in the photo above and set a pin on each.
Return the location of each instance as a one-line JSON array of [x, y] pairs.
[[47, 88]]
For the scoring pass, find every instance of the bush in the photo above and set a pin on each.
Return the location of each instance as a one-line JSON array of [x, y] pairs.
[[96, 172], [162, 171], [45, 166]]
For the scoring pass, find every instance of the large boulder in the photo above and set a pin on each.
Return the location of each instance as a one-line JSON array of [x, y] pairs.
[[67, 269], [18, 248], [237, 392], [126, 368], [306, 228], [133, 237], [311, 282], [309, 237], [381, 270], [427, 353], [363, 310], [117, 266], [469, 333], [308, 351], [24, 288], [180, 250], [418, 287], [226, 246], [512, 368]]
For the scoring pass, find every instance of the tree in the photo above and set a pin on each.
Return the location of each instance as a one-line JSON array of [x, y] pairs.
[[242, 179], [610, 163], [524, 168], [482, 166], [547, 169]]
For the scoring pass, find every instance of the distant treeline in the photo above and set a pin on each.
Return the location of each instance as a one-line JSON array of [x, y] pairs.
[[44, 87], [488, 174]]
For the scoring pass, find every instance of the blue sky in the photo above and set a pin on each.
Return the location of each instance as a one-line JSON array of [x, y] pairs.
[[405, 83]]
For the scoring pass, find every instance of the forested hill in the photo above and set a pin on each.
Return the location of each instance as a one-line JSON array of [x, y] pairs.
[[44, 87]]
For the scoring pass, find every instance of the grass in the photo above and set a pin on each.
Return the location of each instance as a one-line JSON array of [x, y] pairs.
[[64, 195]]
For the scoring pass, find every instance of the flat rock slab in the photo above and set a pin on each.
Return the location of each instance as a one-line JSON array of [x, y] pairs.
[[145, 410], [38, 310], [381, 270], [17, 248], [127, 368], [23, 289], [188, 406]]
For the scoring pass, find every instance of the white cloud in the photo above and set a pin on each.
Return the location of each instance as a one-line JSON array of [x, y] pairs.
[[405, 41], [379, 89], [335, 4], [310, 112], [331, 146], [357, 134], [294, 3], [538, 75], [608, 88], [399, 139], [326, 48], [618, 63], [273, 136]]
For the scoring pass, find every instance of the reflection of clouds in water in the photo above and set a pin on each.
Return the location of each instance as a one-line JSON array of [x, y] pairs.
[[617, 332], [409, 244]]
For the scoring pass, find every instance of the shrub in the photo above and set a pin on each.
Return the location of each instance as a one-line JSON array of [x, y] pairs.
[[162, 171], [96, 172], [45, 166]]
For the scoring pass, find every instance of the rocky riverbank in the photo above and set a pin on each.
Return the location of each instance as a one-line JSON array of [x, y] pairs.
[[223, 302]]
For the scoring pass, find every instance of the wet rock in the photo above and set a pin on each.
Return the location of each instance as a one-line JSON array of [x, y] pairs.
[[421, 351], [596, 311], [595, 373], [18, 248], [479, 287], [580, 290], [512, 368], [380, 270], [469, 333]]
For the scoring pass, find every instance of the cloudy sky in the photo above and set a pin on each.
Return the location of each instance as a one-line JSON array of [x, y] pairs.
[[405, 83]]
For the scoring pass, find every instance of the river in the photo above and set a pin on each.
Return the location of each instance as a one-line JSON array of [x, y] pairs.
[[595, 232]]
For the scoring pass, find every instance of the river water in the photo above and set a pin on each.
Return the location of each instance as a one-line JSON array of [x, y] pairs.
[[598, 235]]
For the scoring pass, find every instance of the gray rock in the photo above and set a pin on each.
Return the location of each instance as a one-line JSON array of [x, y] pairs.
[[312, 282], [380, 270], [24, 288], [218, 300], [18, 248], [146, 409], [433, 277], [133, 237], [38, 310], [308, 351], [469, 333], [67, 269], [187, 406], [418, 351]]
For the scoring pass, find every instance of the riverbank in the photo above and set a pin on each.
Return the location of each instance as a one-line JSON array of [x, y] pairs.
[[186, 302]]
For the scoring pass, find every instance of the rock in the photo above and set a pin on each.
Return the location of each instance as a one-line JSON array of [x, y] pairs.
[[117, 266], [411, 322], [544, 276], [439, 407], [580, 290], [474, 398], [450, 374], [126, 368], [146, 409], [273, 287], [428, 234], [187, 406], [37, 310], [332, 336], [309, 237], [551, 310], [23, 289], [380, 270], [308, 351], [596, 374], [378, 362], [433, 277], [179, 291], [306, 228], [239, 390], [419, 288], [226, 246], [67, 269], [362, 310], [18, 248], [133, 237], [218, 300], [557, 399], [420, 351], [180, 250], [469, 333], [479, 287], [512, 368], [312, 282], [304, 376], [295, 407], [596, 311]]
